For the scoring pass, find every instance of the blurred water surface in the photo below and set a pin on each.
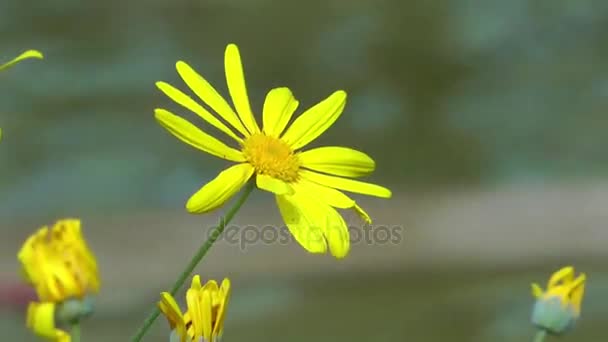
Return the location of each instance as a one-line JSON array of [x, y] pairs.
[[439, 93], [444, 95]]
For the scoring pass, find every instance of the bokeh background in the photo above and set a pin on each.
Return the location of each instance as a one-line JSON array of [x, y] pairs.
[[488, 119]]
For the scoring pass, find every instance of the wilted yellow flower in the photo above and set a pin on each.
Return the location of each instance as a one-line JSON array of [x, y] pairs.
[[60, 266], [307, 184], [557, 309], [27, 54], [204, 317]]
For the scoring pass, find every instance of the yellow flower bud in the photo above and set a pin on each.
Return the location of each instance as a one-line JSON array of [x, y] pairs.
[[557, 309], [204, 318], [59, 265]]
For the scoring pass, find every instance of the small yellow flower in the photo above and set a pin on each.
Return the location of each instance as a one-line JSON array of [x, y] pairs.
[[557, 309], [60, 266], [307, 184], [204, 318]]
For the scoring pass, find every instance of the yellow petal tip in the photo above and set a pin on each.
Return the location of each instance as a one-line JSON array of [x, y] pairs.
[[581, 278], [196, 281], [33, 54], [181, 64], [159, 112], [340, 257], [537, 291], [191, 207], [194, 206]]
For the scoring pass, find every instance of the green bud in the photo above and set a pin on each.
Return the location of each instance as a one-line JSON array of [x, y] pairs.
[[551, 315], [73, 310]]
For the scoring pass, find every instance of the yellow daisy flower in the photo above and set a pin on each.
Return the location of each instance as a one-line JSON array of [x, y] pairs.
[[60, 266], [307, 184], [27, 54], [204, 318], [557, 309]]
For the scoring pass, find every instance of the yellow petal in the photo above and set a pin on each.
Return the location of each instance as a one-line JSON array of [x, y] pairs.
[[346, 184], [220, 190], [185, 100], [537, 291], [209, 95], [278, 109], [191, 135], [63, 336], [206, 314], [168, 306], [190, 329], [304, 221], [196, 282], [273, 185], [195, 309], [27, 54], [211, 287], [333, 197], [61, 280], [336, 232], [563, 276], [27, 257], [218, 329], [41, 319], [237, 88], [46, 269], [315, 120], [363, 214], [340, 161], [316, 224], [577, 292]]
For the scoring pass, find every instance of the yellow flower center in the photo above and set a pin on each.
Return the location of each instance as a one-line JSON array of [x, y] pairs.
[[271, 156]]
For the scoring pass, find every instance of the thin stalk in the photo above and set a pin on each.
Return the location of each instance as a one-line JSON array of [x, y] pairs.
[[200, 254], [540, 336], [75, 332]]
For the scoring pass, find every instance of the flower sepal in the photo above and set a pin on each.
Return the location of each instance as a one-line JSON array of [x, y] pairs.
[[551, 315], [72, 310], [557, 308]]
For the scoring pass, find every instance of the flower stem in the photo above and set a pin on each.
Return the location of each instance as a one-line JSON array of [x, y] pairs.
[[540, 336], [200, 254], [75, 332]]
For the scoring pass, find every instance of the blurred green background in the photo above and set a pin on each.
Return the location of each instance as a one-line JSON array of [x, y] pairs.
[[487, 119]]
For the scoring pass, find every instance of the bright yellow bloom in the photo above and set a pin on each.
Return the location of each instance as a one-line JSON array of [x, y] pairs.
[[60, 266], [307, 184], [557, 309], [204, 317], [27, 54]]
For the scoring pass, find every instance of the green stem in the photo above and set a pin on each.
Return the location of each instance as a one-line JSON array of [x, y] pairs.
[[75, 332], [540, 336], [200, 254]]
